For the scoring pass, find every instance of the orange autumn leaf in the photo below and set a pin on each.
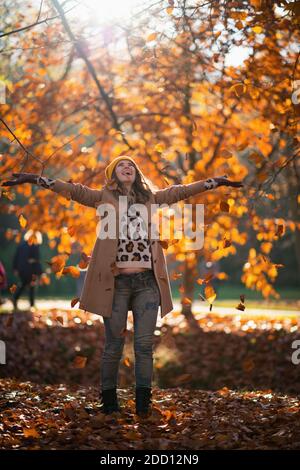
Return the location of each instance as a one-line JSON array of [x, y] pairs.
[[44, 279], [279, 230], [210, 293], [72, 270], [79, 362], [57, 263], [83, 264], [226, 242], [152, 37], [126, 362], [13, 288], [31, 432], [248, 365], [22, 221], [72, 230], [222, 276], [176, 276]]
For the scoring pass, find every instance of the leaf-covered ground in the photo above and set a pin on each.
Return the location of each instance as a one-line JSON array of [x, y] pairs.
[[232, 385], [59, 417]]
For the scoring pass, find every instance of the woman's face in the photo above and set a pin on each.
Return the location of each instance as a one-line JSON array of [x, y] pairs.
[[125, 171]]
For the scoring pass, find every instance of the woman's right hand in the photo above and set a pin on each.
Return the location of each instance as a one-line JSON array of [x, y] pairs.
[[21, 178]]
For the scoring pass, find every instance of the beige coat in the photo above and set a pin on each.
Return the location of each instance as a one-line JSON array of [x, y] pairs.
[[98, 288]]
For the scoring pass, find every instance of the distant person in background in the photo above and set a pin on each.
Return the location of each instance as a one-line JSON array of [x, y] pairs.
[[3, 281], [26, 265]]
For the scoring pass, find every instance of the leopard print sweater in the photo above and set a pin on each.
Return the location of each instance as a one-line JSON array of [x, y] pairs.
[[133, 245]]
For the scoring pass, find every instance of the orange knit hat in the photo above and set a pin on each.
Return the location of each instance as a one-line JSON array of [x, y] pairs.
[[111, 166]]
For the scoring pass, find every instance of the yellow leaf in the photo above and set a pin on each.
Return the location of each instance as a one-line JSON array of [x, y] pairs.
[[159, 148], [152, 37], [210, 293], [22, 221], [257, 29], [170, 10]]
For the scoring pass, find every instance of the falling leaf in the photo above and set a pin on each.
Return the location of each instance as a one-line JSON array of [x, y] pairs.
[[279, 230], [240, 307], [57, 263], [248, 365], [79, 362], [72, 231], [126, 362], [226, 242], [210, 293], [152, 37], [13, 288], [176, 276], [74, 301], [159, 148], [83, 264], [22, 221], [72, 270], [224, 206]]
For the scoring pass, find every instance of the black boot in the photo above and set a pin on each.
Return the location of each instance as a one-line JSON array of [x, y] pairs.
[[110, 401], [142, 401]]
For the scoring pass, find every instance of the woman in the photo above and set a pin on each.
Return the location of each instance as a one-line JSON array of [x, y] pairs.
[[26, 265], [3, 281], [126, 273]]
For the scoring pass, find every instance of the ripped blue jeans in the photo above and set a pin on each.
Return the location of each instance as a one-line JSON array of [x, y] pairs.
[[140, 293]]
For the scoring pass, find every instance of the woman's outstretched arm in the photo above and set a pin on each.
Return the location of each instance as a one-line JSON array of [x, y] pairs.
[[177, 192], [75, 191]]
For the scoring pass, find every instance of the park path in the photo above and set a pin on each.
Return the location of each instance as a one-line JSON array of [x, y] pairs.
[[198, 308]]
